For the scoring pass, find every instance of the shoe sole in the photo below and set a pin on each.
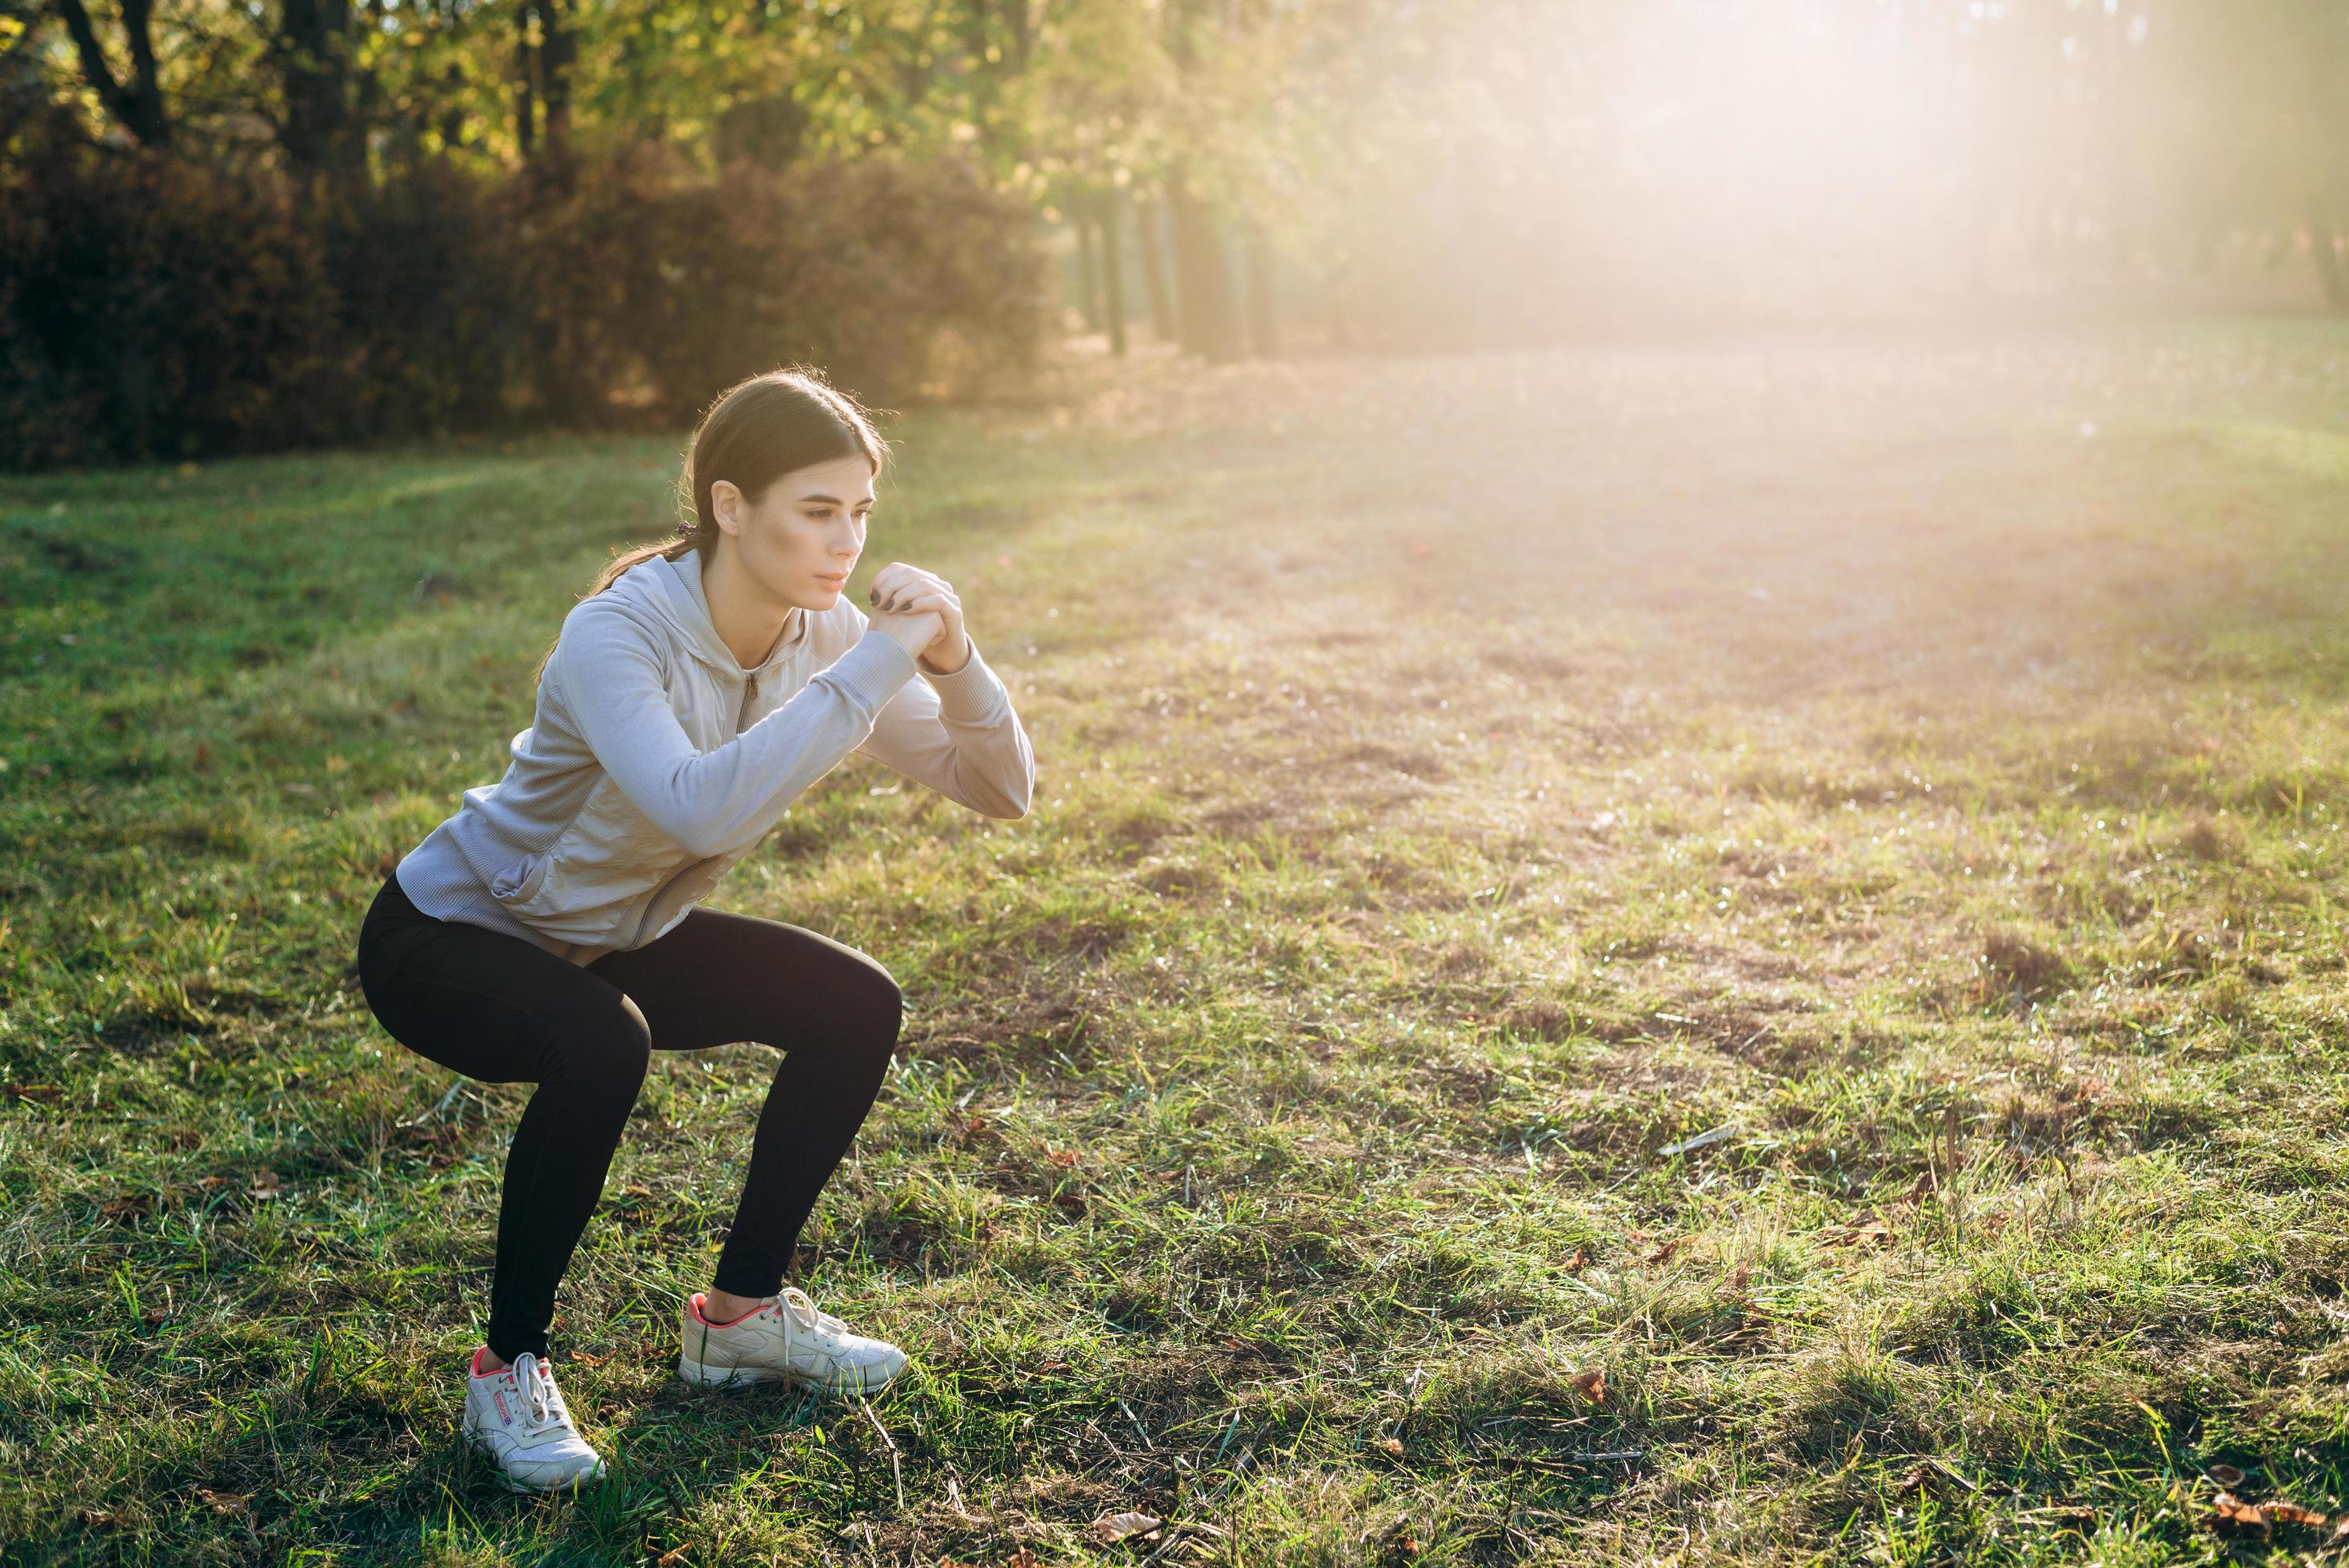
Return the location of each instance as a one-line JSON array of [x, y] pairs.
[[703, 1377], [513, 1482]]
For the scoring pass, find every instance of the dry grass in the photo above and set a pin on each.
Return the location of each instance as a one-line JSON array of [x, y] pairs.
[[1464, 783]]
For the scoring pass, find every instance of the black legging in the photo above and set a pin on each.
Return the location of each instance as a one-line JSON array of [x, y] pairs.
[[496, 1008]]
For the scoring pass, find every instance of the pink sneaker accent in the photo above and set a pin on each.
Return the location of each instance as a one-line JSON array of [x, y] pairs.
[[701, 1299]]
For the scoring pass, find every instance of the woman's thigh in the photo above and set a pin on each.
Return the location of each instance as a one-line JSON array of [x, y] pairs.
[[718, 979], [487, 1003]]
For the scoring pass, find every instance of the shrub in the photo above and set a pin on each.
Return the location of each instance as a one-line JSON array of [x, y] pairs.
[[150, 308], [154, 309]]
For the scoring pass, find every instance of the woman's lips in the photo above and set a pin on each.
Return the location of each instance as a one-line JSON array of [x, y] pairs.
[[839, 582]]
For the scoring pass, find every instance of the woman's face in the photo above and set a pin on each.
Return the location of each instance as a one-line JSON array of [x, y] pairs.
[[802, 540]]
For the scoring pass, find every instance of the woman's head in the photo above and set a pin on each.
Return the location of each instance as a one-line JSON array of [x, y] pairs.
[[763, 429], [787, 424]]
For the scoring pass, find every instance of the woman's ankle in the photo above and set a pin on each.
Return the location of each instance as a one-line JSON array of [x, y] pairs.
[[724, 1307], [488, 1360]]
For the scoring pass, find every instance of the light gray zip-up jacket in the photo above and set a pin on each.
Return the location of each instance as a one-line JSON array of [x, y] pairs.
[[654, 761]]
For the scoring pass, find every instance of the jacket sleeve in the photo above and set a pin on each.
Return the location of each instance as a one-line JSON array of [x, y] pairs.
[[608, 672], [958, 735]]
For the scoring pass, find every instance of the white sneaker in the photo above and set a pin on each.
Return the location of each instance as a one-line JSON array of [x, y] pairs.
[[787, 1340], [518, 1417]]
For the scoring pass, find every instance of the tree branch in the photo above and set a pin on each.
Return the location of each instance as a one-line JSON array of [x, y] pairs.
[[138, 107]]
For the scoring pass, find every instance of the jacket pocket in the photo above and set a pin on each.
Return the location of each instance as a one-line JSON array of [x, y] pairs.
[[592, 880], [518, 883]]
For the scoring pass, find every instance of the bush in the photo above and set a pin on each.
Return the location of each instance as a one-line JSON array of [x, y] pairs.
[[650, 288], [151, 309], [154, 309]]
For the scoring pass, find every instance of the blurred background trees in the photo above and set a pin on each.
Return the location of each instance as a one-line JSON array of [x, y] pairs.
[[235, 223]]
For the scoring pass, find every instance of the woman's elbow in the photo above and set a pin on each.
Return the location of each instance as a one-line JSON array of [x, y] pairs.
[[1008, 805], [702, 840]]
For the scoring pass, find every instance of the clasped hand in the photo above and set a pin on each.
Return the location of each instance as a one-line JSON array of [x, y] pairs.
[[904, 596]]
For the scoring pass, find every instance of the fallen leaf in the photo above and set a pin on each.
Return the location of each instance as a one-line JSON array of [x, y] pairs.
[[1576, 1264], [1863, 1230], [224, 1503], [1112, 1528], [1023, 1558], [98, 1518], [1590, 1384], [44, 1092], [1664, 1253], [1389, 1446], [1706, 1139], [1924, 1469], [265, 1187], [2226, 1477], [2226, 1509], [669, 1558], [1064, 1158]]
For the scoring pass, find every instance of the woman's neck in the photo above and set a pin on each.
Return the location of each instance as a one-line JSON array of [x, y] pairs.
[[746, 621]]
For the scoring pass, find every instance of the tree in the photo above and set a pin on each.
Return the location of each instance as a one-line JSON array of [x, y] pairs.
[[137, 105]]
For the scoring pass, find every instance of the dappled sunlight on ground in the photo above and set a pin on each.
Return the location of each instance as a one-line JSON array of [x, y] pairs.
[[1734, 941]]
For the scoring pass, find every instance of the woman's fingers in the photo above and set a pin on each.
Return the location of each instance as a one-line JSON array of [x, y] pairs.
[[887, 583], [941, 602], [906, 595]]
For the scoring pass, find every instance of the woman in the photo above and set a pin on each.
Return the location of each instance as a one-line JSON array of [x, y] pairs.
[[546, 933]]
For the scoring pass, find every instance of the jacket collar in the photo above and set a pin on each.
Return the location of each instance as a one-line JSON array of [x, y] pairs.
[[673, 590]]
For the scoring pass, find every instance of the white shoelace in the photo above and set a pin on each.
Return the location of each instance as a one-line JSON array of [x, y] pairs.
[[796, 1305], [544, 1407]]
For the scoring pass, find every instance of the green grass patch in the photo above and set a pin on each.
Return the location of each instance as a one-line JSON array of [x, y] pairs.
[[1464, 785]]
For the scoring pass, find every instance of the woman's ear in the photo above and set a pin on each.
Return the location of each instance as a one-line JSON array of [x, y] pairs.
[[726, 501]]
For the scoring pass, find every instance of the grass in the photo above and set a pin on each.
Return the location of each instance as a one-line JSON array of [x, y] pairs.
[[1463, 782]]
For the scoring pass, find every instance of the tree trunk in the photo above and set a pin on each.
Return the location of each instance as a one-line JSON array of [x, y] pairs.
[[526, 86], [1149, 237], [137, 105], [1205, 318], [1112, 270], [1088, 294], [1263, 340], [557, 50], [452, 117], [322, 138], [2331, 271]]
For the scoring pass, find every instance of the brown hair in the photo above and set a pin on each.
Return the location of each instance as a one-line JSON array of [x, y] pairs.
[[756, 432]]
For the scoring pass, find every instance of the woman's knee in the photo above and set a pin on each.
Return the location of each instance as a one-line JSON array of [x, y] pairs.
[[875, 1005], [606, 1052]]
